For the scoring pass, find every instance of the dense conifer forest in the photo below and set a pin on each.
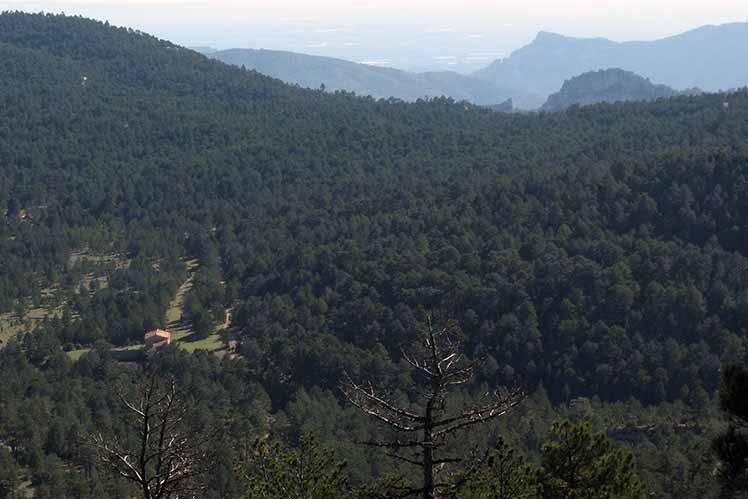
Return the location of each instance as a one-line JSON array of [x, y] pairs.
[[597, 257]]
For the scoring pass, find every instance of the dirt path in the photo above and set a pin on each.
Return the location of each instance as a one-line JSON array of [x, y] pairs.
[[227, 323], [174, 321]]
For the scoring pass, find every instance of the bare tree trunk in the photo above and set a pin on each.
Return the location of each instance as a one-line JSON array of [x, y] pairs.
[[145, 436], [428, 452]]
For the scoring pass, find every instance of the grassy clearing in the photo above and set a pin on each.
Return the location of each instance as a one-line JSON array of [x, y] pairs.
[[174, 321], [75, 355], [212, 343], [182, 333]]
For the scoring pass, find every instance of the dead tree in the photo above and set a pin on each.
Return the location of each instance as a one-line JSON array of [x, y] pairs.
[[166, 457], [425, 432]]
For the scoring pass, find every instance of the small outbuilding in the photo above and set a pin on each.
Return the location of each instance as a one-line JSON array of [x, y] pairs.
[[157, 339]]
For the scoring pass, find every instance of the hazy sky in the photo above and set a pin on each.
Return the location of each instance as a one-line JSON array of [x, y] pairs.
[[412, 34]]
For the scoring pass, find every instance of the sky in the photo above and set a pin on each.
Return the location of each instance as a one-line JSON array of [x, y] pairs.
[[461, 35]]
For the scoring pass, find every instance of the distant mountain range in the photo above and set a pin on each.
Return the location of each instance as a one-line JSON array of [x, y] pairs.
[[609, 85], [711, 58], [337, 74]]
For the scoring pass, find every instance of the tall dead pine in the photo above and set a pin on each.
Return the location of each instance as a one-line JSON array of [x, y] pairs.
[[425, 432], [164, 458]]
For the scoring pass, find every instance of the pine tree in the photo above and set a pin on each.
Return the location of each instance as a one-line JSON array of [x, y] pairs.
[[307, 472], [505, 475], [579, 463]]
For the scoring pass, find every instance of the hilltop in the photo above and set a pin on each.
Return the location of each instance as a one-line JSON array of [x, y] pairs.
[[610, 85]]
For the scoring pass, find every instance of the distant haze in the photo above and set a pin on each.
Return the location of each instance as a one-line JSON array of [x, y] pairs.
[[415, 35]]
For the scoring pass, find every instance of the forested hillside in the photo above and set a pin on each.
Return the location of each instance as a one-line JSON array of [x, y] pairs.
[[596, 253], [609, 85]]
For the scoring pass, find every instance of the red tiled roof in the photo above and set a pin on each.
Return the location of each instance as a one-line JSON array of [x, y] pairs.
[[157, 333]]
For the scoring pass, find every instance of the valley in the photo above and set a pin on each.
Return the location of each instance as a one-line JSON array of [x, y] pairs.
[[307, 250]]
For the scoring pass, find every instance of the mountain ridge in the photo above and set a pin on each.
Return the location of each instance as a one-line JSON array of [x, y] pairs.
[[311, 71], [709, 57]]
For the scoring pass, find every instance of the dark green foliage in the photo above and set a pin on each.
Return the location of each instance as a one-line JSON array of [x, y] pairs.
[[306, 472], [575, 463], [8, 474], [578, 463], [731, 446], [733, 393], [505, 475], [205, 303], [62, 403]]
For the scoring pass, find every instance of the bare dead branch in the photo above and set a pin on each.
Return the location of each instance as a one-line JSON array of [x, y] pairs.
[[404, 459], [442, 363], [168, 456], [399, 444]]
